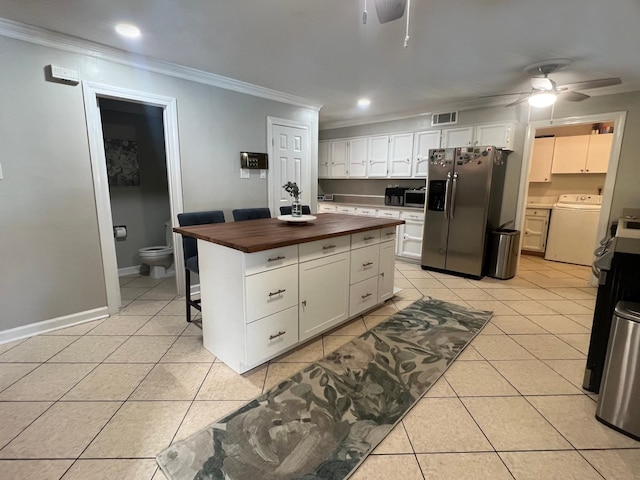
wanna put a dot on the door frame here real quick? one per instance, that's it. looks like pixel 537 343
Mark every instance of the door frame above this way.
pixel 306 168
pixel 91 92
pixel 619 119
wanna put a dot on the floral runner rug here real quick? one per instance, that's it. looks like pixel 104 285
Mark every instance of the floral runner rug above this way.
pixel 322 423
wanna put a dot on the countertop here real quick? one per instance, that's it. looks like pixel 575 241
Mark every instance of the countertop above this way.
pixel 364 205
pixel 541 202
pixel 257 235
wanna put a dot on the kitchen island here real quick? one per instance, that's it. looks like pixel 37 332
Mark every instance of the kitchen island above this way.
pixel 267 285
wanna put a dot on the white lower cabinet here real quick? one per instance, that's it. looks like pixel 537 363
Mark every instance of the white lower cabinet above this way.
pixel 410 236
pixel 363 295
pixel 386 266
pixel 272 291
pixel 536 226
pixel 324 294
pixel 271 335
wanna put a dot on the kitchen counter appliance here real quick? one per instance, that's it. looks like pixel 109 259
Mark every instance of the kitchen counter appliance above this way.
pixel 395 196
pixel 415 197
pixel 464 197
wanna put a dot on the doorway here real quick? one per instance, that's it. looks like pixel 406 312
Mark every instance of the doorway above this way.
pixel 94 93
pixel 617 120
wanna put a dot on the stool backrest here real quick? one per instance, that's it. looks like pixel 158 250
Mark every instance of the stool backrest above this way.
pixel 241 214
pixel 190 245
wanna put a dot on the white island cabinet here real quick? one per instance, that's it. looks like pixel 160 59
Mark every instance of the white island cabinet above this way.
pixel 259 302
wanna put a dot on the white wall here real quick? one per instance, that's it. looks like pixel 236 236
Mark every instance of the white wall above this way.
pixel 49 246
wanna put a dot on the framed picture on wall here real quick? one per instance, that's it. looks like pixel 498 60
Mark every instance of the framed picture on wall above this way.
pixel 123 168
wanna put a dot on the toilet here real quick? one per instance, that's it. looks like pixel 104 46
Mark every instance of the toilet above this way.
pixel 159 258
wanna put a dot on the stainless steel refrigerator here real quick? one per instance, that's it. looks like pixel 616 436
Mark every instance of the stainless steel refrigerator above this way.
pixel 464 198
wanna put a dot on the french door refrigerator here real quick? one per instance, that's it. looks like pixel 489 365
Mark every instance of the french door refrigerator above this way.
pixel 464 198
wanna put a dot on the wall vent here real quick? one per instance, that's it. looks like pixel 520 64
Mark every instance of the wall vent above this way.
pixel 447 118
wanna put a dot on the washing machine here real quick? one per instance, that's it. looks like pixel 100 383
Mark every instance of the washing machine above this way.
pixel 573 229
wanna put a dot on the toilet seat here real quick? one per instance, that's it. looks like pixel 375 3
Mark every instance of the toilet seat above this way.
pixel 155 251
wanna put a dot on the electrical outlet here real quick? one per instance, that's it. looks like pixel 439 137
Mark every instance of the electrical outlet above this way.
pixel 263 174
pixel 245 173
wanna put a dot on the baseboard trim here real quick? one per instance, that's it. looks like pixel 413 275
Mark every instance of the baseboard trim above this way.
pixel 123 272
pixel 45 326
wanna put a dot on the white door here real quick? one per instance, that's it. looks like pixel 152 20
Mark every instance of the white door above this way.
pixel 289 162
pixel 400 153
pixel 378 155
pixel 425 141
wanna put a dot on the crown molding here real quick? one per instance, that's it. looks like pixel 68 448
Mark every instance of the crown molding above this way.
pixel 48 38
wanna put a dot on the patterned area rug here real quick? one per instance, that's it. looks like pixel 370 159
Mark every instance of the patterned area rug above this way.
pixel 322 423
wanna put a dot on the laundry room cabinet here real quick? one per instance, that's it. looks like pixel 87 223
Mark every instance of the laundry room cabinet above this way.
pixel 536 227
pixel 582 154
pixel 542 159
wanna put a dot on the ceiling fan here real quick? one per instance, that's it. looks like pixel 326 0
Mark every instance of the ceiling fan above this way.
pixel 544 91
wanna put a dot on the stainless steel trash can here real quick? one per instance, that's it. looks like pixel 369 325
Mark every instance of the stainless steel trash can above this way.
pixel 502 256
pixel 620 389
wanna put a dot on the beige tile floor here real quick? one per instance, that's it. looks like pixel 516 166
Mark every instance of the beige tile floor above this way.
pixel 99 400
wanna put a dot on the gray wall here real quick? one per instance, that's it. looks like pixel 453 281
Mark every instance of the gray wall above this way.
pixel 143 209
pixel 49 246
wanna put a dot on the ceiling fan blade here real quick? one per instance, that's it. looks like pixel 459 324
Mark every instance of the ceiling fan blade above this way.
pixel 505 94
pixel 587 84
pixel 389 10
pixel 518 102
pixel 573 96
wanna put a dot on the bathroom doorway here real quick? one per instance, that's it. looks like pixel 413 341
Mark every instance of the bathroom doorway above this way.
pixel 104 100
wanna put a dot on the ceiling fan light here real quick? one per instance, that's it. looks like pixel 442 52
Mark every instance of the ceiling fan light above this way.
pixel 542 99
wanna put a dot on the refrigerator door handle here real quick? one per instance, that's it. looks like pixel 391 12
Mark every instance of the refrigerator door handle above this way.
pixel 446 196
pixel 453 194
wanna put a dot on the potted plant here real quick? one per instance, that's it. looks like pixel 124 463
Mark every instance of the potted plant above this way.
pixel 296 206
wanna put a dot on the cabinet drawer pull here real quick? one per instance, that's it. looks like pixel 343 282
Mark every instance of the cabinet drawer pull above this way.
pixel 275 259
pixel 368 238
pixel 327 247
pixel 367 264
pixel 271 294
pixel 279 334
pixel 366 295
pixel 390 233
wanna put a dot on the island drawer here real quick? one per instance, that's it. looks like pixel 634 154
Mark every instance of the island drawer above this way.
pixel 364 239
pixel 413 216
pixel 364 263
pixel 363 295
pixel 346 209
pixel 270 259
pixel 389 213
pixel 271 335
pixel 323 248
pixel 387 234
pixel 271 292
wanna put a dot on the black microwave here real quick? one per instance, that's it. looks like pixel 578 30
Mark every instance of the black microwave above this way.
pixel 415 198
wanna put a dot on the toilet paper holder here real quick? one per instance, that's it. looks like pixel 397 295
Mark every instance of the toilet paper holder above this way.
pixel 119 232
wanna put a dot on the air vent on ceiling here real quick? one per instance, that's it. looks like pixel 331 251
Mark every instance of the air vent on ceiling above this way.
pixel 447 118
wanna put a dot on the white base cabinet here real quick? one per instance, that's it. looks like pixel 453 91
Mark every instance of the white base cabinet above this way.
pixel 536 226
pixel 256 306
pixel 410 236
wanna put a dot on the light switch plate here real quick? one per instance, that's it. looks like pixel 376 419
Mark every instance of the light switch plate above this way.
pixel 263 174
pixel 245 173
pixel 1 176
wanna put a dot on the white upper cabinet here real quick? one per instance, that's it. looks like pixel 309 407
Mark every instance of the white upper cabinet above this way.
pixel 582 154
pixel 378 155
pixel 339 158
pixel 424 141
pixel 542 159
pixel 499 135
pixel 324 150
pixel 358 157
pixel 400 154
pixel 457 137
pixel 599 153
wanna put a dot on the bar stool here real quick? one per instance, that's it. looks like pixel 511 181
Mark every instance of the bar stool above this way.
pixel 190 249
pixel 241 214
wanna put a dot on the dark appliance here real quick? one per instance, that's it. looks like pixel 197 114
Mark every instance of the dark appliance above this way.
pixel 464 198
pixel 618 267
pixel 415 197
pixel 394 196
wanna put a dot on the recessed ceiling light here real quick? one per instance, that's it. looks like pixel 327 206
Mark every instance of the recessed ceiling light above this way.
pixel 128 30
pixel 364 102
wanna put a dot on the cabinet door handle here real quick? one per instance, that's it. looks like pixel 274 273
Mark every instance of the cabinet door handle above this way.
pixel 367 238
pixel 366 295
pixel 390 233
pixel 279 334
pixel 273 294
pixel 367 264
pixel 327 247
pixel 275 259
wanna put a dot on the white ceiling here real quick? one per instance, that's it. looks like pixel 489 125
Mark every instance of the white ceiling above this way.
pixel 320 50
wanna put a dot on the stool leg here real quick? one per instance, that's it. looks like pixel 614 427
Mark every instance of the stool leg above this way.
pixel 187 277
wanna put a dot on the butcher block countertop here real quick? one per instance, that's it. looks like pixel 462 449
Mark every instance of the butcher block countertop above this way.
pixel 257 235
